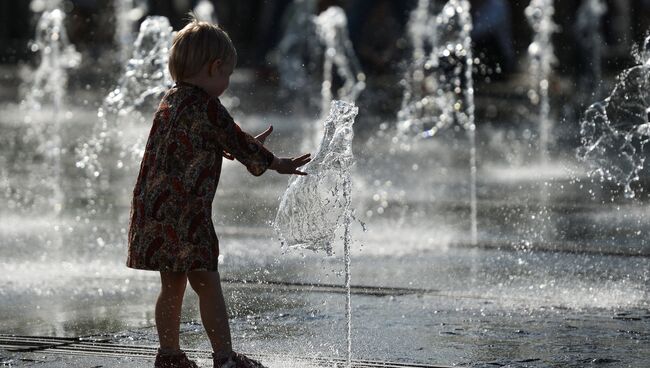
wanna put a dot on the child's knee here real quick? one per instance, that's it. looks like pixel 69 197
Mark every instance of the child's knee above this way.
pixel 173 282
pixel 203 281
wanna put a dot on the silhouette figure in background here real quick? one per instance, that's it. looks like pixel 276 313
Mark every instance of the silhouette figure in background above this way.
pixel 272 22
pixel 376 30
pixel 269 32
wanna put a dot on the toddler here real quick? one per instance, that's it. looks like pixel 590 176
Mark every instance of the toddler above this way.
pixel 171 228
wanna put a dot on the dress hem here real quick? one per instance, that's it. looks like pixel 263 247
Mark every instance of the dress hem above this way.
pixel 169 270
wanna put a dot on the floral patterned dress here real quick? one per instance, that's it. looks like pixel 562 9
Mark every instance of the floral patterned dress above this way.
pixel 171 214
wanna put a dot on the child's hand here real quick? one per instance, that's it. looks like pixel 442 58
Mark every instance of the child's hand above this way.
pixel 290 165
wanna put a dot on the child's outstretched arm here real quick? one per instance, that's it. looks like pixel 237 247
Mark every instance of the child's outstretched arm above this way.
pixel 284 165
pixel 260 138
pixel 247 149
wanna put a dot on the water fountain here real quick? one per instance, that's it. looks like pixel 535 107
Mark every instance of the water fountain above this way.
pixel 127 12
pixel 204 11
pixel 588 28
pixel 540 17
pixel 331 26
pixel 614 131
pixel 427 103
pixel 315 206
pixel 146 75
pixel 44 103
pixel 439 87
pixel 145 79
pixel 334 50
pixel 301 57
pixel 322 199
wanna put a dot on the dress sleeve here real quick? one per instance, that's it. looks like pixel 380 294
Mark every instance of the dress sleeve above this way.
pixel 244 147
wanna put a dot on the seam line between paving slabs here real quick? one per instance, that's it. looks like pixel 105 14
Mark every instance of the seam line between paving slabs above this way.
pixel 329 288
pixel 376 291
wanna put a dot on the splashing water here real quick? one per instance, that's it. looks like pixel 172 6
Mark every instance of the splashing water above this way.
pixel 46 93
pixel 204 11
pixel 50 78
pixel 588 28
pixel 331 26
pixel 146 77
pixel 127 12
pixel 539 14
pixel 439 87
pixel 614 131
pixel 298 59
pixel 426 102
pixel 313 206
pixel 434 91
pixel 146 73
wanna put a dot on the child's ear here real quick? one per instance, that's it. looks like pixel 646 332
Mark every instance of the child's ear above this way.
pixel 214 67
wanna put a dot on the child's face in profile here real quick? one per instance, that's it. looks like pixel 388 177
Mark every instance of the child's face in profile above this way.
pixel 220 77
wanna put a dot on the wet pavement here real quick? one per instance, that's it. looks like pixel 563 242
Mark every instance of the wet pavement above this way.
pixel 467 320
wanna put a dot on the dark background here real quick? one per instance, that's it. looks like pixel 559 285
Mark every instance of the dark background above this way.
pixel 256 25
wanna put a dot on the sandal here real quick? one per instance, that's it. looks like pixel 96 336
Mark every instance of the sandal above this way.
pixel 179 360
pixel 236 360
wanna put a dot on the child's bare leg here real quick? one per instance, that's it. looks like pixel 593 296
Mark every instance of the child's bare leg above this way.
pixel 213 309
pixel 168 309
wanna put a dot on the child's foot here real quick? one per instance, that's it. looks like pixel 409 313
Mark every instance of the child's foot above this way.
pixel 236 360
pixel 174 360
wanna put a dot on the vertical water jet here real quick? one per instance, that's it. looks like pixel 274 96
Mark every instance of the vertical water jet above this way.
pixel 539 14
pixel 438 85
pixel 339 60
pixel 44 102
pixel 314 207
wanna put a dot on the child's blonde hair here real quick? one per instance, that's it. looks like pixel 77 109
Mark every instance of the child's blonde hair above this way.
pixel 195 45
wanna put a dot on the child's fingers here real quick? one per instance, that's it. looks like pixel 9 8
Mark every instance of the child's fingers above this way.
pixel 302 159
pixel 267 131
pixel 262 136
